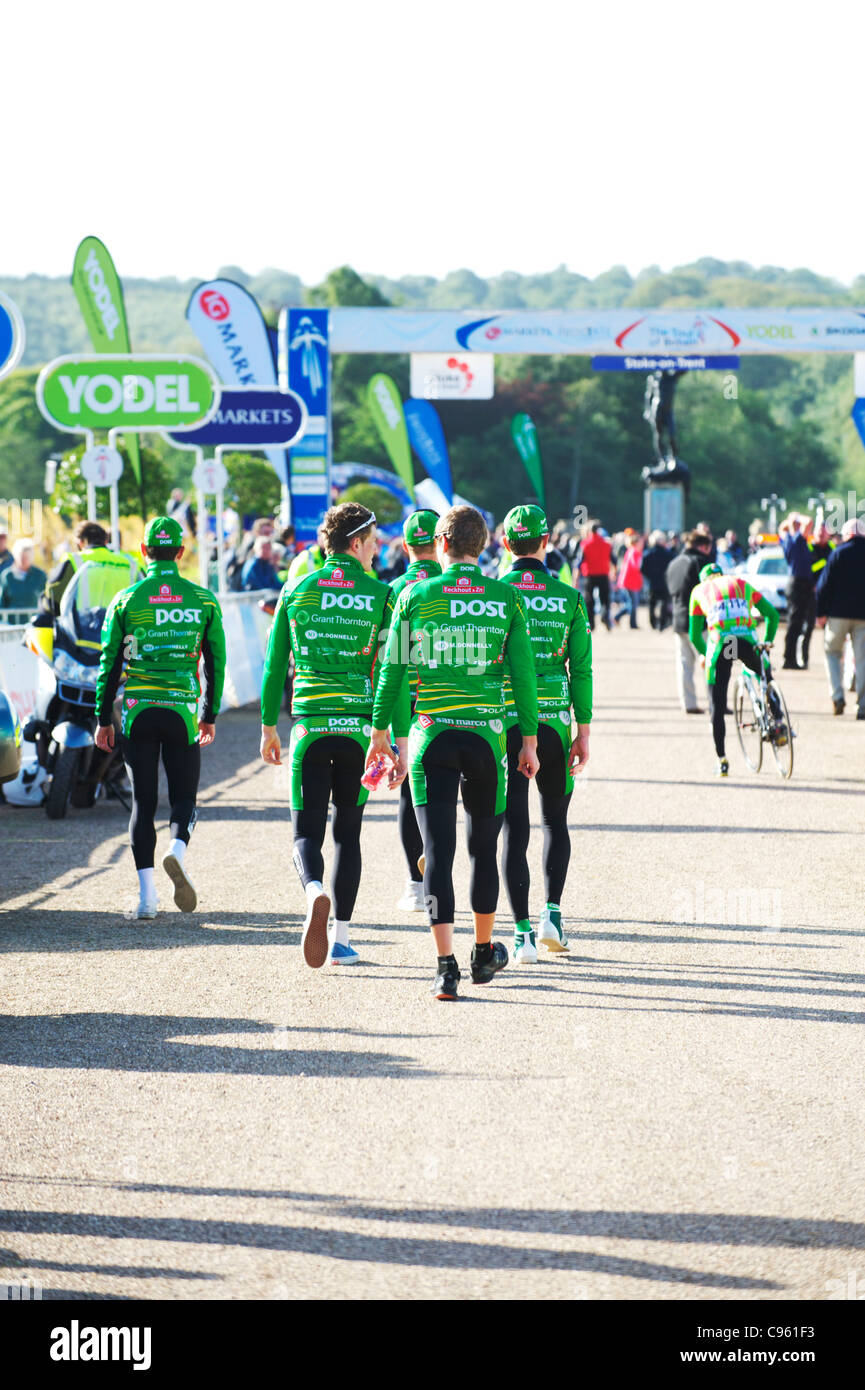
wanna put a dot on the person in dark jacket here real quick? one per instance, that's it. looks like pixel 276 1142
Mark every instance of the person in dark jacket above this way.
pixel 795 535
pixel 683 575
pixel 655 561
pixel 841 612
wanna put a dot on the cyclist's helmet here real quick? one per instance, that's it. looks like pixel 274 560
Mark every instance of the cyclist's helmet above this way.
pixel 708 570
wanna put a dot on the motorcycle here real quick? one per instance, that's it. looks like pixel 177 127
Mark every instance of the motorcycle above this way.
pixel 64 724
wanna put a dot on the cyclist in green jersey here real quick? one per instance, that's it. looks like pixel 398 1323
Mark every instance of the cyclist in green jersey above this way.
pixel 462 631
pixel 330 621
pixel 154 636
pixel 419 545
pixel 562 649
pixel 722 604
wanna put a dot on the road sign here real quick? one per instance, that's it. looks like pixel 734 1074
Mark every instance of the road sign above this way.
pixel 11 335
pixel 130 391
pixel 858 414
pixel 672 363
pixel 253 418
pixel 102 465
pixel 210 475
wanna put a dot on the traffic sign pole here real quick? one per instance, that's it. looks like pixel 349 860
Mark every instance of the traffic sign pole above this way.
pixel 91 487
pixel 115 498
pixel 221 580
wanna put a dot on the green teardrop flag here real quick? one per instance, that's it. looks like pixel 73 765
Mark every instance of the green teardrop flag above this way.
pixel 385 404
pixel 100 297
pixel 525 436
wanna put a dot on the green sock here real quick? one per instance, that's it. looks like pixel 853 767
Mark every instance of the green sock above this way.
pixel 556 913
pixel 523 927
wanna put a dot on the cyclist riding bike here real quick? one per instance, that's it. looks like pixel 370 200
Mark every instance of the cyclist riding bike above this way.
pixel 154 636
pixel 330 620
pixel 722 604
pixel 418 542
pixel 461 630
pixel 562 650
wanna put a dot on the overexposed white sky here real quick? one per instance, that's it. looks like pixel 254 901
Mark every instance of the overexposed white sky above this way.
pixel 418 138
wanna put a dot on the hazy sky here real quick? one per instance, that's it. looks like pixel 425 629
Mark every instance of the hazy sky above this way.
pixel 408 138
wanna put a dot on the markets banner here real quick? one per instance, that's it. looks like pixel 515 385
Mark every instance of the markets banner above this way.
pixel 427 438
pixel 385 405
pixel 598 331
pixel 228 323
pixel 525 436
pixel 134 392
pixel 11 335
pixel 255 418
pixel 100 298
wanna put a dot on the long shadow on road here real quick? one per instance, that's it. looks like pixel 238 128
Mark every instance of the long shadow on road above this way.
pixel 352 1246
pixel 155 1043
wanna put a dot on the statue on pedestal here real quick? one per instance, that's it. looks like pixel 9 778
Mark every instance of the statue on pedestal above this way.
pixel 658 410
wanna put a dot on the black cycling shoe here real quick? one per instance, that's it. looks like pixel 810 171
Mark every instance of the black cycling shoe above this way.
pixel 446 981
pixel 485 964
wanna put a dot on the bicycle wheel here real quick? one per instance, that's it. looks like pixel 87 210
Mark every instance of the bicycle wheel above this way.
pixel 749 726
pixel 782 737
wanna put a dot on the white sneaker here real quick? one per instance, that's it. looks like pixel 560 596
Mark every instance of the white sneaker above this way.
pixel 550 933
pixel 185 896
pixel 143 910
pixel 315 943
pixel 525 949
pixel 413 899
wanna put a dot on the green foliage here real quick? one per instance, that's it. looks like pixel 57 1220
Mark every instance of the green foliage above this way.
pixel 69 497
pixel 386 507
pixel 26 439
pixel 253 487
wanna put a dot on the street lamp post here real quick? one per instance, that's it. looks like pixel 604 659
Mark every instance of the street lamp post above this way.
pixel 771 504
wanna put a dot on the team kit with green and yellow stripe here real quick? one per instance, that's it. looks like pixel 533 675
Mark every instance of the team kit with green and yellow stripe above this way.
pixel 561 643
pixel 331 621
pixel 157 635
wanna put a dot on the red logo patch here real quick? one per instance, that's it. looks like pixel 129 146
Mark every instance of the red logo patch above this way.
pixel 215 305
pixel 425 721
pixel 131 703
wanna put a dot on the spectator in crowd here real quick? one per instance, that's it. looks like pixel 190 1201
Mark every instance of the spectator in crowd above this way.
pixel 656 558
pixel 594 562
pixel 288 541
pixel 259 571
pixel 794 534
pixel 683 575
pixel 821 545
pixel 262 526
pixel 841 612
pixel 22 582
pixel 631 576
pixel 5 553
pixel 181 509
pixel 393 561
pixel 723 557
pixel 705 530
pixel 734 550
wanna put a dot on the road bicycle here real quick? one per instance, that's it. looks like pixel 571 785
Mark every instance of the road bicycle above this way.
pixel 762 717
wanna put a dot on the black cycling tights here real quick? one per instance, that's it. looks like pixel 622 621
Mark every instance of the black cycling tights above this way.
pixel 159 729
pixel 458 759
pixel 554 818
pixel 332 766
pixel 409 832
pixel 750 657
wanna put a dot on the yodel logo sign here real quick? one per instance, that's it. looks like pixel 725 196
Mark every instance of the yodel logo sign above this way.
pixel 253 418
pixel 127 392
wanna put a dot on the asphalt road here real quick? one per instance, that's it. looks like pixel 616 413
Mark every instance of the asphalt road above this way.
pixel 672 1111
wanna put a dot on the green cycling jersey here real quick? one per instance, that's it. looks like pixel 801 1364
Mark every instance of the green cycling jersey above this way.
pixel 330 620
pixel 154 636
pixel 561 641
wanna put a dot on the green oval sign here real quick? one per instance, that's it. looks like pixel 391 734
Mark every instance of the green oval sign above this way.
pixel 131 392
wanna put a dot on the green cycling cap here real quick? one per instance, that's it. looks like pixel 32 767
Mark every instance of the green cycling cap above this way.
pixel 525 524
pixel 419 528
pixel 164 530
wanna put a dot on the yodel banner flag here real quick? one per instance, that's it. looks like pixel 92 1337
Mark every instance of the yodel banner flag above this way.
pixel 385 404
pixel 525 436
pixel 428 441
pixel 100 298
pixel 228 323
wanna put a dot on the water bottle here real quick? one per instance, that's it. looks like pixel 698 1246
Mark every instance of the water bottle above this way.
pixel 376 771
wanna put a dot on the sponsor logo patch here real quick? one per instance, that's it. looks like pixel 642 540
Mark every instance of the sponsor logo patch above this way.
pixel 165 595
pixel 425 721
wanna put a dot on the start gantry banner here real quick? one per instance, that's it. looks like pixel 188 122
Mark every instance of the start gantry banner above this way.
pixel 599 331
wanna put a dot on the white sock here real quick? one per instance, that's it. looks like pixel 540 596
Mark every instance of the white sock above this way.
pixel 147 885
pixel 178 849
pixel 313 889
pixel 341 932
